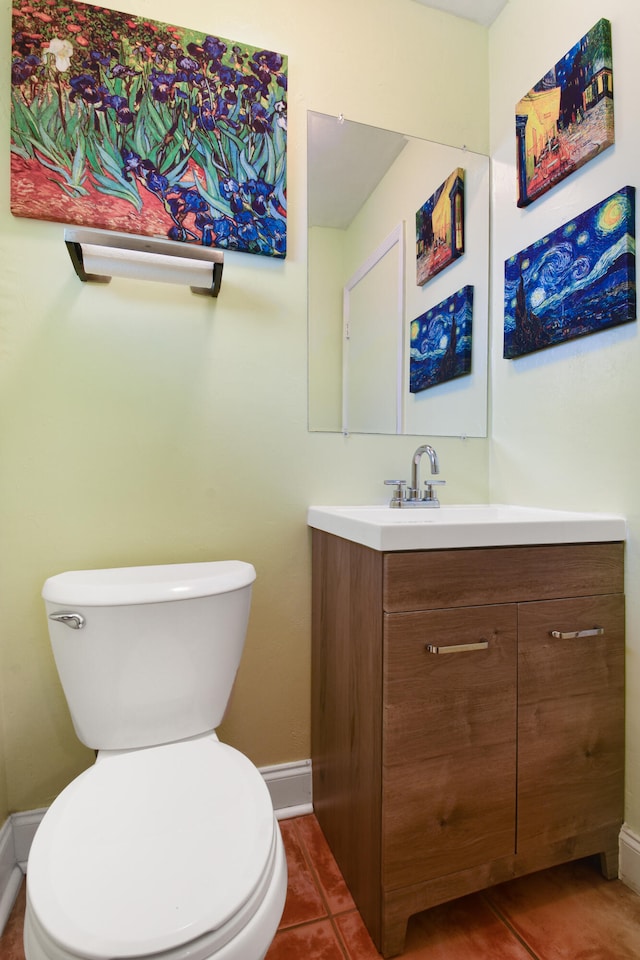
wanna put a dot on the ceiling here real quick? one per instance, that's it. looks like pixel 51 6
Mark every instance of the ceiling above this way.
pixel 345 162
pixel 482 11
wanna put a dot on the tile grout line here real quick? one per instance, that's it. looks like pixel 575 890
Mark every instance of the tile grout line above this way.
pixel 309 862
pixel 316 879
pixel 505 921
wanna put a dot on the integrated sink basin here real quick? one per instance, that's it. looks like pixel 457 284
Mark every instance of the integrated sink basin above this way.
pixel 465 525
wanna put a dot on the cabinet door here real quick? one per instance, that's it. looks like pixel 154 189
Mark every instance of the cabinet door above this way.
pixel 571 718
pixel 449 749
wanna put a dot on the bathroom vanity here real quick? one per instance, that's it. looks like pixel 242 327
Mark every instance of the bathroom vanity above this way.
pixel 468 700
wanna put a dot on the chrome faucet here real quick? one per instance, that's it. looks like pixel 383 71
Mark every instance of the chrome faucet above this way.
pixel 414 489
pixel 412 496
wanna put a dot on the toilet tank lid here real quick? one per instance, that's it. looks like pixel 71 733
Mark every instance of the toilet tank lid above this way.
pixel 150 584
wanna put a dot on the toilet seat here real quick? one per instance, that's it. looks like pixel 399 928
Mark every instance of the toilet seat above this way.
pixel 153 851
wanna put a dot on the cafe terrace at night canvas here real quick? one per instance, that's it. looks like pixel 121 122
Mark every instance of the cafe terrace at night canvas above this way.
pixel 566 119
pixel 440 228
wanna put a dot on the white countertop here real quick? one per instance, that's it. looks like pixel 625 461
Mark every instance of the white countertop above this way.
pixel 465 525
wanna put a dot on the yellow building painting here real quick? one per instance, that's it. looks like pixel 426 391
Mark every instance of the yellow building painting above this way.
pixel 566 119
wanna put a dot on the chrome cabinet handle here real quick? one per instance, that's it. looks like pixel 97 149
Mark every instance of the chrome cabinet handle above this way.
pixel 74 620
pixel 457 647
pixel 576 634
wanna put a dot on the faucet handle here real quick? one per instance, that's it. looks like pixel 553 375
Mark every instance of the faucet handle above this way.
pixel 429 496
pixel 398 493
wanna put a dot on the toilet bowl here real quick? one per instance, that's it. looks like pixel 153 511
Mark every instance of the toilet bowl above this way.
pixel 160 850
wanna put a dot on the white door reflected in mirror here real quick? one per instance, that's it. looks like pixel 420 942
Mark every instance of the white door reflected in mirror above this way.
pixel 373 310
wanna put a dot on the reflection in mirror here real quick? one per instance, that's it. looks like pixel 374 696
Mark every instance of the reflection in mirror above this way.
pixel 365 186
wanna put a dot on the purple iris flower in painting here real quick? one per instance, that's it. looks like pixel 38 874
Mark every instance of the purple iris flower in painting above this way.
pixel 247 228
pixel 186 201
pixel 101 58
pixel 214 48
pixel 84 85
pixel 264 64
pixel 157 183
pixel 277 230
pixel 260 119
pixel 189 70
pixel 21 70
pixel 205 115
pixel 119 70
pixel 228 76
pixel 268 59
pixel 251 89
pixel 225 233
pixel 211 50
pixel 177 233
pixel 230 190
pixel 145 171
pixel 161 85
pixel 205 223
pixel 121 107
pixel 222 110
pixel 258 194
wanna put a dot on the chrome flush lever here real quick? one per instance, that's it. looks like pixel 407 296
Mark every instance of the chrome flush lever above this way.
pixel 74 620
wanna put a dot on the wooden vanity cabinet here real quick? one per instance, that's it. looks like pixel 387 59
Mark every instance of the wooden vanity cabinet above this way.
pixel 436 774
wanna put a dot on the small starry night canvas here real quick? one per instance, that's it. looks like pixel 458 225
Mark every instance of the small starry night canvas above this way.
pixel 130 124
pixel 578 280
pixel 441 341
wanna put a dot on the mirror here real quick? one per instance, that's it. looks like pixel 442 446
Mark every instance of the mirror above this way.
pixel 365 188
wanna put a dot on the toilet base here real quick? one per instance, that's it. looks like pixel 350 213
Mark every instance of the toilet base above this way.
pixel 252 943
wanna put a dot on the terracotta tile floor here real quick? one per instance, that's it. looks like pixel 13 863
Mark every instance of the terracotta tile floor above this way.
pixel 567 913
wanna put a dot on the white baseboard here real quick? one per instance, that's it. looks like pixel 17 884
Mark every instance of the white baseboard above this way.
pixel 10 873
pixel 290 788
pixel 24 829
pixel 289 785
pixel 630 858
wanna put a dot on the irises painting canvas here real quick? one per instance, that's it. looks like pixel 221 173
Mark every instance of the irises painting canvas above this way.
pixel 441 341
pixel 133 125
pixel 566 119
pixel 577 280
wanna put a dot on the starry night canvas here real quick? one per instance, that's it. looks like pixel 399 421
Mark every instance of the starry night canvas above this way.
pixel 441 342
pixel 578 280
pixel 566 119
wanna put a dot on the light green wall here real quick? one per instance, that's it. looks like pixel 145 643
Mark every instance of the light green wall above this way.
pixel 140 424
pixel 566 421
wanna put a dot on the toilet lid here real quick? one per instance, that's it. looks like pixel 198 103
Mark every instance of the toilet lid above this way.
pixel 150 849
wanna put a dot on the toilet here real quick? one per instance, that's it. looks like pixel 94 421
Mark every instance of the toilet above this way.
pixel 168 846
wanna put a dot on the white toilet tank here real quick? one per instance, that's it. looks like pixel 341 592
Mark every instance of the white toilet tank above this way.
pixel 148 655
